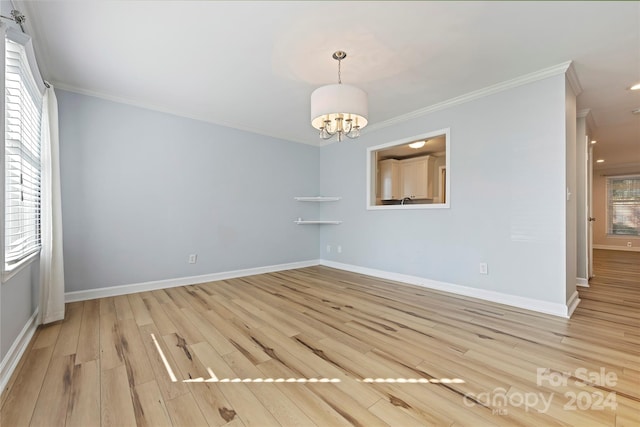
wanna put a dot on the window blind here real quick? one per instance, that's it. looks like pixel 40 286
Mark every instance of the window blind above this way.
pixel 624 205
pixel 23 111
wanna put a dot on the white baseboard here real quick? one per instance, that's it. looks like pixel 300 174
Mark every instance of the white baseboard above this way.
pixel 181 281
pixel 617 248
pixel 10 361
pixel 573 302
pixel 540 306
pixel 546 307
pixel 580 281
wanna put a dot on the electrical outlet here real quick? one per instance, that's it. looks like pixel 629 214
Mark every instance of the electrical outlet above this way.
pixel 328 248
pixel 339 249
pixel 628 244
pixel 484 269
pixel 193 258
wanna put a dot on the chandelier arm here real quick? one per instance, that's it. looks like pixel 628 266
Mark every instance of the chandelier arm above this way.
pixel 354 133
pixel 328 127
pixel 349 126
pixel 325 133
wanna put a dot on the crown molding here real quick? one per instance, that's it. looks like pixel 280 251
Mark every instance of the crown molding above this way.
pixel 583 113
pixel 613 166
pixel 161 109
pixel 573 80
pixel 563 68
pixel 588 116
pixel 476 94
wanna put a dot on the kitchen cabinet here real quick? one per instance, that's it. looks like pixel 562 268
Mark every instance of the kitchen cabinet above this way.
pixel 416 177
pixel 390 179
pixel 409 178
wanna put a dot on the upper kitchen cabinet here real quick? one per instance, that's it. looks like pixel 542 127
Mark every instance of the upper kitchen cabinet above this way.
pixel 390 179
pixel 417 177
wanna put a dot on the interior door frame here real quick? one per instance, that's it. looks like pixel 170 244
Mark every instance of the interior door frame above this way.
pixel 589 210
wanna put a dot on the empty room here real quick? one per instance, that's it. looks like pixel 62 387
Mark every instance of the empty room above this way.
pixel 320 213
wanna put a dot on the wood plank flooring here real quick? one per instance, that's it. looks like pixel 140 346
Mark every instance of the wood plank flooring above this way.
pixel 324 347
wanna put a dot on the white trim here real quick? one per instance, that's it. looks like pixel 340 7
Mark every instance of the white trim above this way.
pixel 613 167
pixel 608 211
pixel 622 237
pixel 540 306
pixel 617 248
pixel 572 303
pixel 300 221
pixel 476 94
pixel 572 79
pixel 181 281
pixel 371 168
pixel 168 110
pixel 563 68
pixel 11 359
pixel 317 198
pixel 589 120
pixel 408 207
pixel 580 114
pixel 19 266
pixel 582 282
pixel 623 175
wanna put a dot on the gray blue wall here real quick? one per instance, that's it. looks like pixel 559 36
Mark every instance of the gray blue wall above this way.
pixel 507 198
pixel 141 190
pixel 19 301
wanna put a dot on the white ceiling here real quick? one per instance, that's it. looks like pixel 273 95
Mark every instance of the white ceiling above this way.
pixel 253 65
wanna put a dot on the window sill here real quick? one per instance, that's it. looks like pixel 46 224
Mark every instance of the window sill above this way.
pixel 408 206
pixel 15 269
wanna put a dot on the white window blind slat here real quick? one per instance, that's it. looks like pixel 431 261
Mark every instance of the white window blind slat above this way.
pixel 23 113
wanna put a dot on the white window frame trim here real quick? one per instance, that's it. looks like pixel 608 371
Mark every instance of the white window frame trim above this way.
pixel 606 210
pixel 371 206
pixel 23 39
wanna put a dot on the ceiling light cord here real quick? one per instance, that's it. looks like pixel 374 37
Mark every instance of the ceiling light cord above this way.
pixel 342 126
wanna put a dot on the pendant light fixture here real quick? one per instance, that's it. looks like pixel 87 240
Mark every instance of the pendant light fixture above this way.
pixel 339 109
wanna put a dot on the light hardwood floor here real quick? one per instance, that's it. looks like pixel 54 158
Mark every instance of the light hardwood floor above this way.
pixel 323 347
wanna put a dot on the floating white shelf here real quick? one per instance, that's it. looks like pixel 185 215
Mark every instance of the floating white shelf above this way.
pixel 301 221
pixel 306 222
pixel 317 199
